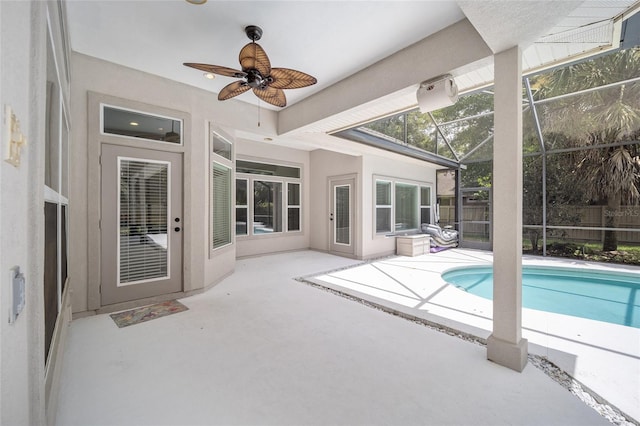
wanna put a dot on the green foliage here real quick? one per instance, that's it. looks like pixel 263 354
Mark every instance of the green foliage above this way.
pixel 626 254
pixel 606 175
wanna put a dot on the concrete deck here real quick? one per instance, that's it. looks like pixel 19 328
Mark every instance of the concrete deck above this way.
pixel 263 348
pixel 603 357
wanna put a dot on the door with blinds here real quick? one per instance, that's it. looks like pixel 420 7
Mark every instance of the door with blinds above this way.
pixel 341 216
pixel 140 223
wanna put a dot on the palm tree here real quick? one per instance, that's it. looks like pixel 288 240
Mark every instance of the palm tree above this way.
pixel 605 118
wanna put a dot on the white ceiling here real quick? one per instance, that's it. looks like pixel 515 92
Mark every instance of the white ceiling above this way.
pixel 327 39
pixel 330 40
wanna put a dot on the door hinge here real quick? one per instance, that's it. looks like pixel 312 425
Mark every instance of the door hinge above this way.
pixel 100 159
pixel 99 223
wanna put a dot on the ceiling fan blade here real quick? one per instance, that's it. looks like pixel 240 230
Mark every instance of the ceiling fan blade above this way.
pixel 216 69
pixel 285 78
pixel 253 56
pixel 271 95
pixel 234 89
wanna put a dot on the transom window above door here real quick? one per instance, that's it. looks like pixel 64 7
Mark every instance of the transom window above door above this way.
pixel 136 124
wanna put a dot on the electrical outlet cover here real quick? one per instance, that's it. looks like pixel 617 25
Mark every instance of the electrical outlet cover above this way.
pixel 18 296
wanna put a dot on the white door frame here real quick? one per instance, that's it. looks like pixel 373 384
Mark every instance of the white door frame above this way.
pixel 350 181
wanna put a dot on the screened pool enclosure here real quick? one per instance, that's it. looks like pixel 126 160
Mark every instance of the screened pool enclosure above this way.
pixel 581 159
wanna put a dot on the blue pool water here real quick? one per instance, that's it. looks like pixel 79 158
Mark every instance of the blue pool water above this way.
pixel 603 296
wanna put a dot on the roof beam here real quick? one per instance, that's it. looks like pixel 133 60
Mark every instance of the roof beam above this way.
pixel 451 48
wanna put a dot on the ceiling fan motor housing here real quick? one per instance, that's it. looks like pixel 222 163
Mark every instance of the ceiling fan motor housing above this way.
pixel 255 79
pixel 253 32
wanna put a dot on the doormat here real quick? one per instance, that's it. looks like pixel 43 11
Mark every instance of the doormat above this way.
pixel 147 313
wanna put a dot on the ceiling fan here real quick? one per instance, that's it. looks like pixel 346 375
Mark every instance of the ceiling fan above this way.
pixel 267 83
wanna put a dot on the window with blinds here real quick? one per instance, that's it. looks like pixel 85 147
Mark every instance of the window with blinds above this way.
pixel 143 189
pixel 220 205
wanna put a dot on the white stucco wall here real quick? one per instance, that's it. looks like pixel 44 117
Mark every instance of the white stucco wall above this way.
pixel 22 86
pixel 391 166
pixel 91 74
pixel 325 164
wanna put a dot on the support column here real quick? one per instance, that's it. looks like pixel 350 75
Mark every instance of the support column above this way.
pixel 506 346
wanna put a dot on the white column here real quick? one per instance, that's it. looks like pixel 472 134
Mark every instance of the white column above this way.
pixel 506 346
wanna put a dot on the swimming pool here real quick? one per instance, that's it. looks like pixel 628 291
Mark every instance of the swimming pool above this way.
pixel 599 295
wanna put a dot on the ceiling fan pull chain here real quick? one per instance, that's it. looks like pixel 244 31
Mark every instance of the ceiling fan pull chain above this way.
pixel 258 112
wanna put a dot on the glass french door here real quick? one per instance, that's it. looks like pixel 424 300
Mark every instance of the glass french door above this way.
pixel 141 223
pixel 341 216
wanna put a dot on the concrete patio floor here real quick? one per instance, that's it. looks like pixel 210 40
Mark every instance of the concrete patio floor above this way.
pixel 262 348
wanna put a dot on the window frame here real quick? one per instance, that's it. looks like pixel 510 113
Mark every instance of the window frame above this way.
pixel 386 207
pixel 104 105
pixel 281 206
pixel 284 206
pixel 244 206
pixel 290 206
pixel 423 206
pixel 393 182
pixel 416 208
pixel 228 164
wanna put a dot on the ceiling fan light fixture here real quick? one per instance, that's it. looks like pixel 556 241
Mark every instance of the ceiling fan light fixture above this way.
pixel 209 75
pixel 256 73
pixel 197 1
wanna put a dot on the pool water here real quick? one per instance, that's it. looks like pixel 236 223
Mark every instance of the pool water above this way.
pixel 603 296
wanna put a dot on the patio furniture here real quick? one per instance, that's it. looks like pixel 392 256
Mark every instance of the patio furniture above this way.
pixel 440 237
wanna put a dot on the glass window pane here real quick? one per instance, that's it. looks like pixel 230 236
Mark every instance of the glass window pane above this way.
pixel 383 219
pixel 383 193
pixel 406 207
pixel 425 215
pixel 117 121
pixel 220 205
pixel 52 129
pixel 142 203
pixel 293 194
pixel 251 167
pixel 267 207
pixel 293 219
pixel 241 221
pixel 425 196
pixel 241 192
pixel 342 230
pixel 221 146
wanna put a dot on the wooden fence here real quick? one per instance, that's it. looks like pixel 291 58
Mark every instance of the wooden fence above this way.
pixel 589 216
